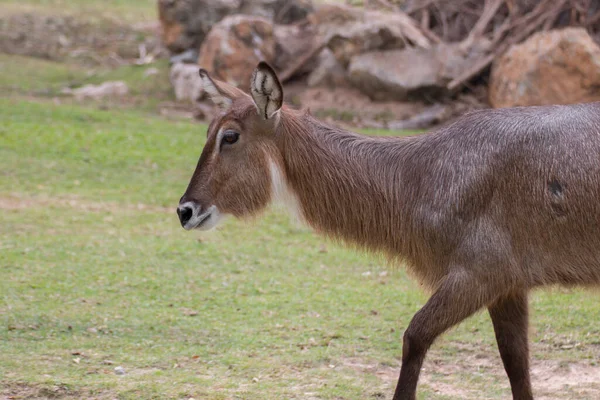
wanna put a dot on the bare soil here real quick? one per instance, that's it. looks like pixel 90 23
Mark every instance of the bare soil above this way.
pixel 351 106
pixel 63 37
pixel 551 379
pixel 25 391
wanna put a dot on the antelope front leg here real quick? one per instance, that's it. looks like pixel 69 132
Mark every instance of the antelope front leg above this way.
pixel 457 298
pixel 510 318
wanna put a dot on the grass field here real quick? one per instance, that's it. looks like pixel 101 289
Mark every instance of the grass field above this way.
pixel 96 273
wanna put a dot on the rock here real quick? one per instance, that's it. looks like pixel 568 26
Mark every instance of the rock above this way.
pixel 278 11
pixel 186 82
pixel 189 56
pixel 410 72
pixel 430 116
pixel 150 72
pixel 349 31
pixel 328 71
pixel 235 45
pixel 290 12
pixel 383 75
pixel 291 42
pixel 185 23
pixel 97 92
pixel 552 67
pixel 120 371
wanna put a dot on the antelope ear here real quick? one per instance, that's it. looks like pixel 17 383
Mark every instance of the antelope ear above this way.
pixel 266 90
pixel 221 93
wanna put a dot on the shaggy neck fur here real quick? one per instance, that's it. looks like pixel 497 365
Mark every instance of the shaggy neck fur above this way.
pixel 355 188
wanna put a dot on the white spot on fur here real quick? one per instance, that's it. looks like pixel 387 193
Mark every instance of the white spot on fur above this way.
pixel 281 192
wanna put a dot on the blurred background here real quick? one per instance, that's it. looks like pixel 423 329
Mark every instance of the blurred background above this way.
pixel 102 121
pixel 381 64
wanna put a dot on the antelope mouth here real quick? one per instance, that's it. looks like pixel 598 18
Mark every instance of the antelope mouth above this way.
pixel 208 219
pixel 203 218
pixel 203 221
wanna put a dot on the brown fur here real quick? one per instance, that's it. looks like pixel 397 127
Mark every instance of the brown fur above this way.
pixel 482 210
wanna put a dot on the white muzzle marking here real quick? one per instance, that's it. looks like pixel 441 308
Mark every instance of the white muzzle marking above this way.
pixel 201 220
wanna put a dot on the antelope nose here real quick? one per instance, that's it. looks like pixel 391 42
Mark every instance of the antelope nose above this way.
pixel 185 213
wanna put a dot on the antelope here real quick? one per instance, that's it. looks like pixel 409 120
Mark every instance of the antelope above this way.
pixel 481 211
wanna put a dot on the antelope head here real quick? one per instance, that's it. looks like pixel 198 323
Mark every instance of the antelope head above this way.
pixel 240 162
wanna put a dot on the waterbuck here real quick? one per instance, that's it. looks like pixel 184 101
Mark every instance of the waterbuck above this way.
pixel 481 211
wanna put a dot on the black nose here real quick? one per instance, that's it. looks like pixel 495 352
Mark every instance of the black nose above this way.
pixel 185 213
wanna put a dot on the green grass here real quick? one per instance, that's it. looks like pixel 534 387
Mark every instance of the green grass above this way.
pixel 32 76
pixel 90 279
pixel 28 76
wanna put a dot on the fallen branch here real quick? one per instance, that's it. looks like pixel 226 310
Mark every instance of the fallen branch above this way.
pixel 524 27
pixel 489 11
pixel 471 72
pixel 425 19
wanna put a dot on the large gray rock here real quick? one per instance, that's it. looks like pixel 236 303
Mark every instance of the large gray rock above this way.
pixel 402 74
pixel 185 23
pixel 186 82
pixel 111 89
pixel 327 72
pixel 552 67
pixel 291 42
pixel 189 57
pixel 349 31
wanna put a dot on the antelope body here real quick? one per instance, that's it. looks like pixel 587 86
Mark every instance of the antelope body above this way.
pixel 482 210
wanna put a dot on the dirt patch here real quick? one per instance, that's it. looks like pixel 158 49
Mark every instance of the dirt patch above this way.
pixel 17 202
pixel 389 376
pixel 99 41
pixel 18 391
pixel 350 106
pixel 15 391
pixel 551 380
pixel 573 380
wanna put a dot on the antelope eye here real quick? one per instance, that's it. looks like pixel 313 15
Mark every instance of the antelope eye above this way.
pixel 230 137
